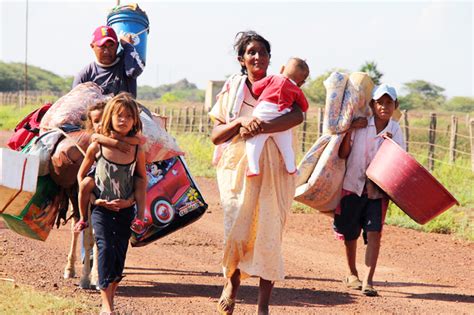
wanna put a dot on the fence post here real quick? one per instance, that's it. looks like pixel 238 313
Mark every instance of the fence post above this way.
pixel 305 116
pixel 157 110
pixel 432 139
pixel 453 139
pixel 186 119
pixel 406 128
pixel 179 119
pixel 201 120
pixel 471 134
pixel 193 119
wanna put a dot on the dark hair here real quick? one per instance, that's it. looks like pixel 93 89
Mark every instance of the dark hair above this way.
pixel 300 64
pixel 242 39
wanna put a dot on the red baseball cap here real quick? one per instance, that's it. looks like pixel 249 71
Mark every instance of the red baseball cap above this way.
pixel 103 34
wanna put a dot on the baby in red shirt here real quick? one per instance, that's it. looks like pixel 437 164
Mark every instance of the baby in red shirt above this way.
pixel 276 96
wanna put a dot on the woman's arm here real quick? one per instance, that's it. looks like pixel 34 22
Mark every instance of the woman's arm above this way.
pixel 225 131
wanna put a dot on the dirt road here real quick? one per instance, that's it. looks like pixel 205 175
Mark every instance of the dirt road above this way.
pixel 417 272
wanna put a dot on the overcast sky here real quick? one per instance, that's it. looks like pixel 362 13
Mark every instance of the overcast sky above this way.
pixel 425 40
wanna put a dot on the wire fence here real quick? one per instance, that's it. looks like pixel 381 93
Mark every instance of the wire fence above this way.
pixel 433 139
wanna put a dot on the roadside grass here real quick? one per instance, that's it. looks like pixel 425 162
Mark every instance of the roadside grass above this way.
pixel 458 179
pixel 198 153
pixel 21 299
pixel 458 220
pixel 11 115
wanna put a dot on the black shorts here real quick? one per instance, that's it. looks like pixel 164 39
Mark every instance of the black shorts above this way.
pixel 359 213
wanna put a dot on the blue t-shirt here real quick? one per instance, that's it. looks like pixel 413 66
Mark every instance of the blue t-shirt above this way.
pixel 121 77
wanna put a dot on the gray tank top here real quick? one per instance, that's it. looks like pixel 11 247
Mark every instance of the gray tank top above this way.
pixel 113 180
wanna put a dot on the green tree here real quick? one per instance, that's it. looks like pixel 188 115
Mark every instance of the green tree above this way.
pixel 12 79
pixel 424 95
pixel 460 104
pixel 315 91
pixel 370 67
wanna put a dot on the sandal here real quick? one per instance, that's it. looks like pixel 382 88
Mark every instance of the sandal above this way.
pixel 226 305
pixel 352 282
pixel 368 290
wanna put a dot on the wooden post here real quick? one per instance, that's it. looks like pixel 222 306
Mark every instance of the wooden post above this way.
pixel 303 147
pixel 201 119
pixel 186 119
pixel 471 134
pixel 320 121
pixel 157 110
pixel 193 119
pixel 406 128
pixel 178 120
pixel 453 139
pixel 432 139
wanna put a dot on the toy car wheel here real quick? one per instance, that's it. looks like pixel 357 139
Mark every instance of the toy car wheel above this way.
pixel 162 211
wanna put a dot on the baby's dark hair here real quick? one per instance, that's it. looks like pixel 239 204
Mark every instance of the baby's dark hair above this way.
pixel 300 64
pixel 97 106
pixel 242 39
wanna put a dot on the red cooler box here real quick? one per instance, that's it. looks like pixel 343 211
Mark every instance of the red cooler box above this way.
pixel 408 183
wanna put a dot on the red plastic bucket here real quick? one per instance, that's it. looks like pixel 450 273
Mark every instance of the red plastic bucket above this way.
pixel 408 183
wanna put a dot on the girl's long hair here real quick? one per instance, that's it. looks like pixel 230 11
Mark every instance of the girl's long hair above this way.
pixel 121 101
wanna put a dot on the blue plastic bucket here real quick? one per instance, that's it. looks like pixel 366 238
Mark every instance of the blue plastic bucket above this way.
pixel 131 20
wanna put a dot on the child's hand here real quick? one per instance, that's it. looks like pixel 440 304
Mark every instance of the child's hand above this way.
pixel 80 226
pixel 359 122
pixel 115 135
pixel 244 133
pixel 110 205
pixel 387 135
pixel 252 125
pixel 123 146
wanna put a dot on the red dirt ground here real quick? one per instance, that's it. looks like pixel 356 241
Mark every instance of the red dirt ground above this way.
pixel 417 272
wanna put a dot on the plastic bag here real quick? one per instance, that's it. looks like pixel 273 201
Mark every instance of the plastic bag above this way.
pixel 159 144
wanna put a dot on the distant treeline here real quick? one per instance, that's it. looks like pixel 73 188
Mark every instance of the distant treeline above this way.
pixel 416 94
pixel 175 92
pixel 12 79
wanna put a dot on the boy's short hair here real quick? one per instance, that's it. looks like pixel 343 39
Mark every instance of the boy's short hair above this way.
pixel 300 64
pixel 382 89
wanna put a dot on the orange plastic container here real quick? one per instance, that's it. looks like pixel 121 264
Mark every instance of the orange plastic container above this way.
pixel 408 183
